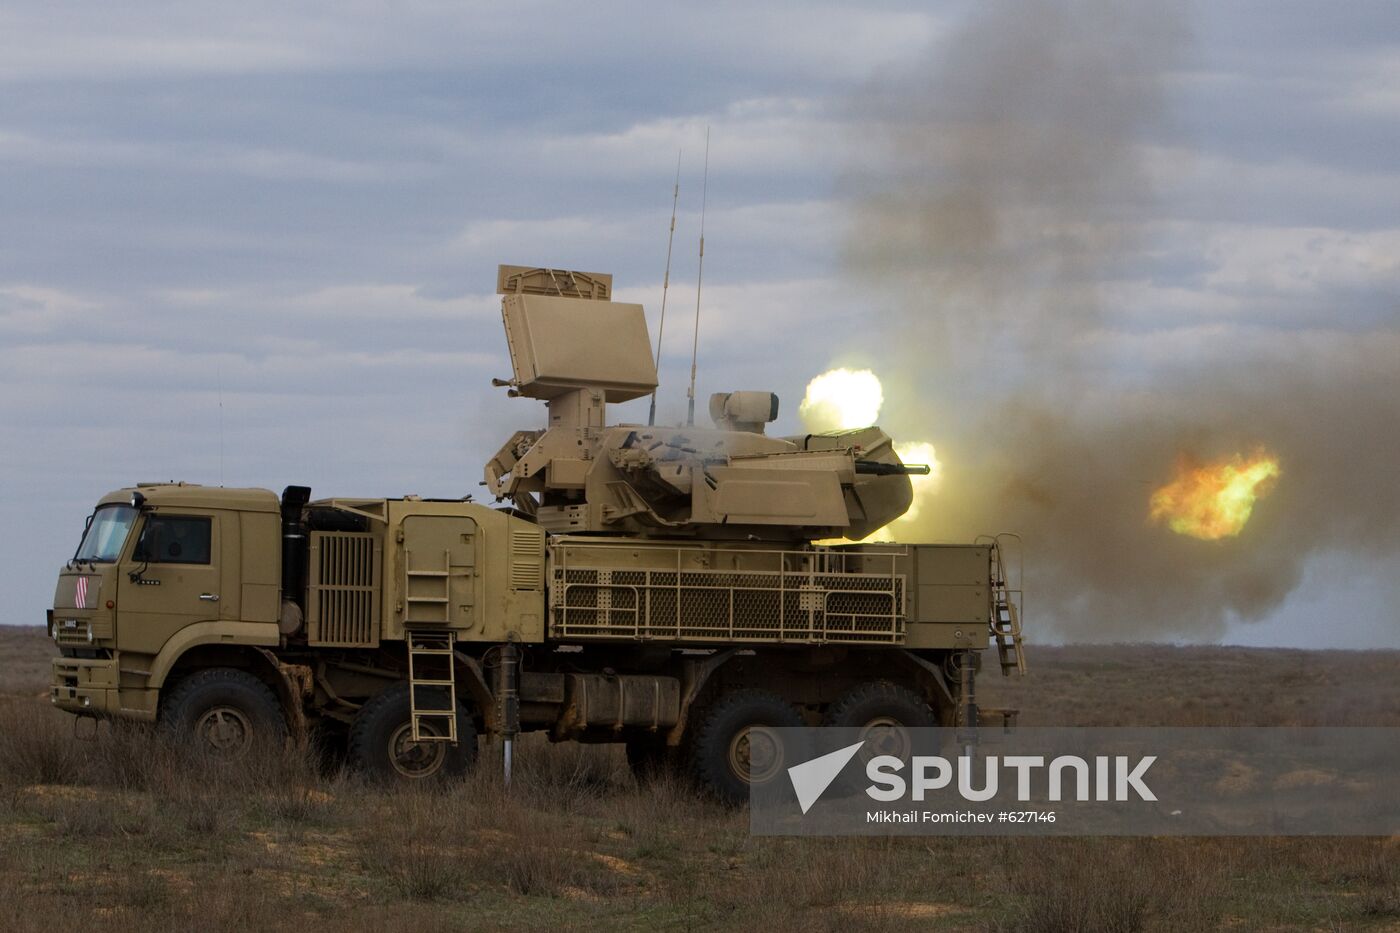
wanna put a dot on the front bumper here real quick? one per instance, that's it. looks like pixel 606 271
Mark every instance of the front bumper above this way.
pixel 85 686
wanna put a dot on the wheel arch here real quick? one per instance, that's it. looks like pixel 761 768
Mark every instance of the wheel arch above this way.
pixel 215 649
pixel 192 645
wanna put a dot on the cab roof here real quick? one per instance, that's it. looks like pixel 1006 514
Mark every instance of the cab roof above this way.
pixel 192 495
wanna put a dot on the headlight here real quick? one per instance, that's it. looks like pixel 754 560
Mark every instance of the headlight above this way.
pixel 89 632
pixel 53 630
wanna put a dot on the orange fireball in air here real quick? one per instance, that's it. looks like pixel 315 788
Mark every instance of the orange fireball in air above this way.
pixel 1215 500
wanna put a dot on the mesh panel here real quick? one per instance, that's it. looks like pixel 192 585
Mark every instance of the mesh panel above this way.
pixel 814 599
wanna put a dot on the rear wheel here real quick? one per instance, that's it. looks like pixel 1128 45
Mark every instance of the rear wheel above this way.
pixel 737 746
pixel 382 745
pixel 883 713
pixel 225 711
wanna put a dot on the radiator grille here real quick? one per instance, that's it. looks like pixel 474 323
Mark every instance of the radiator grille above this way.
pixel 343 596
pixel 527 560
pixel 815 598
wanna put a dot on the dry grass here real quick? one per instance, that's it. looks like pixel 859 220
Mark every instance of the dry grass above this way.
pixel 1158 685
pixel 1113 885
pixel 25 651
pixel 122 832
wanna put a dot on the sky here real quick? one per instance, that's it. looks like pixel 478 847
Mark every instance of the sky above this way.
pixel 256 244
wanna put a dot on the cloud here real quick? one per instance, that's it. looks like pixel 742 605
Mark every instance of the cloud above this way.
pixel 259 242
pixel 94 40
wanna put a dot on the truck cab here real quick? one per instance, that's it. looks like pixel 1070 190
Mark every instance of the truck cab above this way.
pixel 161 569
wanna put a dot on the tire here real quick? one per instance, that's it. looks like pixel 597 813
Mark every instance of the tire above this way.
pixel 882 712
pixel 382 746
pixel 225 711
pixel 651 758
pixel 726 741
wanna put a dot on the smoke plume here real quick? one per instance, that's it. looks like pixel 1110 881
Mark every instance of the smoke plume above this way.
pixel 1003 196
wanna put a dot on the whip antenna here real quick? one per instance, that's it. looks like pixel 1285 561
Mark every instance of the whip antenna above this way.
pixel 699 278
pixel 666 282
pixel 220 378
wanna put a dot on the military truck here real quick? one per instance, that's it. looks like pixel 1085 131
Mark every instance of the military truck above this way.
pixel 657 587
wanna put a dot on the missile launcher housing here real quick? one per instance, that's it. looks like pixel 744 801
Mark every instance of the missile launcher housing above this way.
pixel 574 348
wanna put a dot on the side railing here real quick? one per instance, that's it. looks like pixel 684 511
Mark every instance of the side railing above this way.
pixel 811 596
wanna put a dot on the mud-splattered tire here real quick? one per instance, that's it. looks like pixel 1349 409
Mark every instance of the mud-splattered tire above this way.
pixel 735 747
pixel 382 746
pixel 225 711
pixel 883 713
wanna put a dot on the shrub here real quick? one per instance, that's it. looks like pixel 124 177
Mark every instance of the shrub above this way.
pixel 34 749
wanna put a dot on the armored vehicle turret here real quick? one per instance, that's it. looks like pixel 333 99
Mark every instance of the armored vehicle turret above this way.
pixel 577 350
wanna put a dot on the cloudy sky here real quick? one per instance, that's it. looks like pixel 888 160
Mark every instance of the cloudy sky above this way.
pixel 255 244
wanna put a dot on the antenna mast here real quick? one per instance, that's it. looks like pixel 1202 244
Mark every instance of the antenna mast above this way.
pixel 699 279
pixel 666 282
pixel 219 378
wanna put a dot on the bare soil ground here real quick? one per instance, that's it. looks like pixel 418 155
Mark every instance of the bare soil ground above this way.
pixel 122 832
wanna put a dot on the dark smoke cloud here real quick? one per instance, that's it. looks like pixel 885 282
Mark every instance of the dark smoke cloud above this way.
pixel 1012 185
pixel 1006 190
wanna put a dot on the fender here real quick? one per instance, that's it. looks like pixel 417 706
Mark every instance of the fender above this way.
pixel 210 633
pixel 294 684
pixel 693 679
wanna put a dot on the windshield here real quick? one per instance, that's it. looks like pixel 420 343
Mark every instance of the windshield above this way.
pixel 107 533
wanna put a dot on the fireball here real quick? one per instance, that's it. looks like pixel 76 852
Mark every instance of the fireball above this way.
pixel 1214 501
pixel 842 400
pixel 845 399
pixel 920 452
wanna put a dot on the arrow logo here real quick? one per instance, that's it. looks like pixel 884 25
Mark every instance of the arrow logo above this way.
pixel 811 778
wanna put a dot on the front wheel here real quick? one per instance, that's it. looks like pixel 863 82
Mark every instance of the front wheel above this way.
pixel 225 711
pixel 382 745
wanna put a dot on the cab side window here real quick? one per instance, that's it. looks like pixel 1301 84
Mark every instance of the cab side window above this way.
pixel 174 539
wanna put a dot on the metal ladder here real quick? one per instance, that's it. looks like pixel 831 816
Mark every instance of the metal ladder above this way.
pixel 1006 616
pixel 432 685
pixel 429 609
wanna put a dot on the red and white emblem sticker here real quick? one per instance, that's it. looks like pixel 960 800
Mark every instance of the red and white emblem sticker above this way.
pixel 80 593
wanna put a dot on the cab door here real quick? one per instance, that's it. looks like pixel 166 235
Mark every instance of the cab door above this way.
pixel 169 578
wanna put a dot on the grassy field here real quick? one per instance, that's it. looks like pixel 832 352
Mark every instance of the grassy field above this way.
pixel 120 832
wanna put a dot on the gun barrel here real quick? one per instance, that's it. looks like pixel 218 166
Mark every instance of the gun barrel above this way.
pixel 876 468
